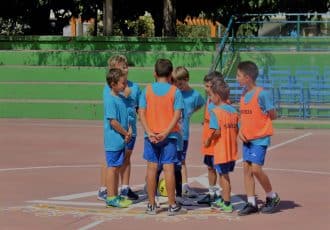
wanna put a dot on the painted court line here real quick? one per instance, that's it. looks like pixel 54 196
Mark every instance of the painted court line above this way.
pixel 91 225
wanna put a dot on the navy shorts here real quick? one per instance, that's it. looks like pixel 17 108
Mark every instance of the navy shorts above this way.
pixel 208 160
pixel 225 168
pixel 184 150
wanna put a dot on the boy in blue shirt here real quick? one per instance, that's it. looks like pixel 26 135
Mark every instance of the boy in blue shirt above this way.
pixel 192 101
pixel 116 134
pixel 132 93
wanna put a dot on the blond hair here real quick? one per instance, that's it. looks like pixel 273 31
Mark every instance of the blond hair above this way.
pixel 112 61
pixel 180 73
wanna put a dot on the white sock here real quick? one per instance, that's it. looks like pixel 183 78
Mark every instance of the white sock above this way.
pixel 252 200
pixel 212 189
pixel 102 188
pixel 124 186
pixel 271 194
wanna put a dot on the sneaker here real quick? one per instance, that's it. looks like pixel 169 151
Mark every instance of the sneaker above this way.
pixel 118 202
pixel 208 199
pixel 127 192
pixel 151 209
pixel 248 209
pixel 102 195
pixel 271 204
pixel 217 204
pixel 176 210
pixel 227 208
pixel 188 192
pixel 184 201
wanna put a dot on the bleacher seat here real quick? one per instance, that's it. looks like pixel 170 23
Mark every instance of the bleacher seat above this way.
pixel 318 99
pixel 305 74
pixel 290 100
pixel 280 74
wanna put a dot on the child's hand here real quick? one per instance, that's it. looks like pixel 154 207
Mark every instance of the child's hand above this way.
pixel 161 136
pixel 152 138
pixel 127 91
pixel 242 137
pixel 128 137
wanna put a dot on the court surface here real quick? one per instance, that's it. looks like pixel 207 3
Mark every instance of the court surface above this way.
pixel 50 172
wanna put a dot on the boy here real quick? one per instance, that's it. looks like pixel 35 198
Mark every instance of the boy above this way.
pixel 257 112
pixel 159 110
pixel 116 134
pixel 132 93
pixel 193 101
pixel 208 151
pixel 224 123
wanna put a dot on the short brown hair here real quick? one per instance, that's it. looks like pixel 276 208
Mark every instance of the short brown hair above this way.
pixel 220 88
pixel 249 68
pixel 163 67
pixel 113 76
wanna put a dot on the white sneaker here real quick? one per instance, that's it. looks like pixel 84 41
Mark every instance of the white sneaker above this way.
pixel 185 201
pixel 188 192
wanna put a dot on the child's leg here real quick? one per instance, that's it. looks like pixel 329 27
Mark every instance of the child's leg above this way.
pixel 224 182
pixel 178 180
pixel 103 175
pixel 184 172
pixel 249 183
pixel 170 182
pixel 125 170
pixel 262 177
pixel 112 181
pixel 151 181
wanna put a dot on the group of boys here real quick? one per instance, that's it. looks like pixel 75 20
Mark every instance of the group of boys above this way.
pixel 164 108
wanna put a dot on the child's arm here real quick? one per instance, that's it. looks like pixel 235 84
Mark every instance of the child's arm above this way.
pixel 272 114
pixel 215 134
pixel 117 127
pixel 151 135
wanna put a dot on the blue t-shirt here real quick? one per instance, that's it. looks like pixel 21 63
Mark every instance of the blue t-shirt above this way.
pixel 192 100
pixel 161 89
pixel 115 107
pixel 266 103
pixel 214 123
pixel 132 102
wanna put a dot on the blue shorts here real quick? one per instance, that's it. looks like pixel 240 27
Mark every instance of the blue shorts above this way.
pixel 164 152
pixel 184 150
pixel 225 168
pixel 115 158
pixel 254 153
pixel 208 160
pixel 130 145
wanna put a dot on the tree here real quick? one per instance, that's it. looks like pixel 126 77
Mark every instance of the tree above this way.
pixel 169 9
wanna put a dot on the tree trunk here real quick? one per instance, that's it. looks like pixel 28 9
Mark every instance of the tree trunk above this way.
pixel 107 17
pixel 169 18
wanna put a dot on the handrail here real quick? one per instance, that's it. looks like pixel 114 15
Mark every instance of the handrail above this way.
pixel 221 48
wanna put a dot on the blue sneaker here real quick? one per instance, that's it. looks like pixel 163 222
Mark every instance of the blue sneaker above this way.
pixel 118 202
pixel 102 195
pixel 127 192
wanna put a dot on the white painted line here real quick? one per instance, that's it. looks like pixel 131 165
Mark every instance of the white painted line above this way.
pixel 289 141
pixel 76 203
pixel 91 225
pixel 48 167
pixel 299 171
pixel 74 196
pixel 281 144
